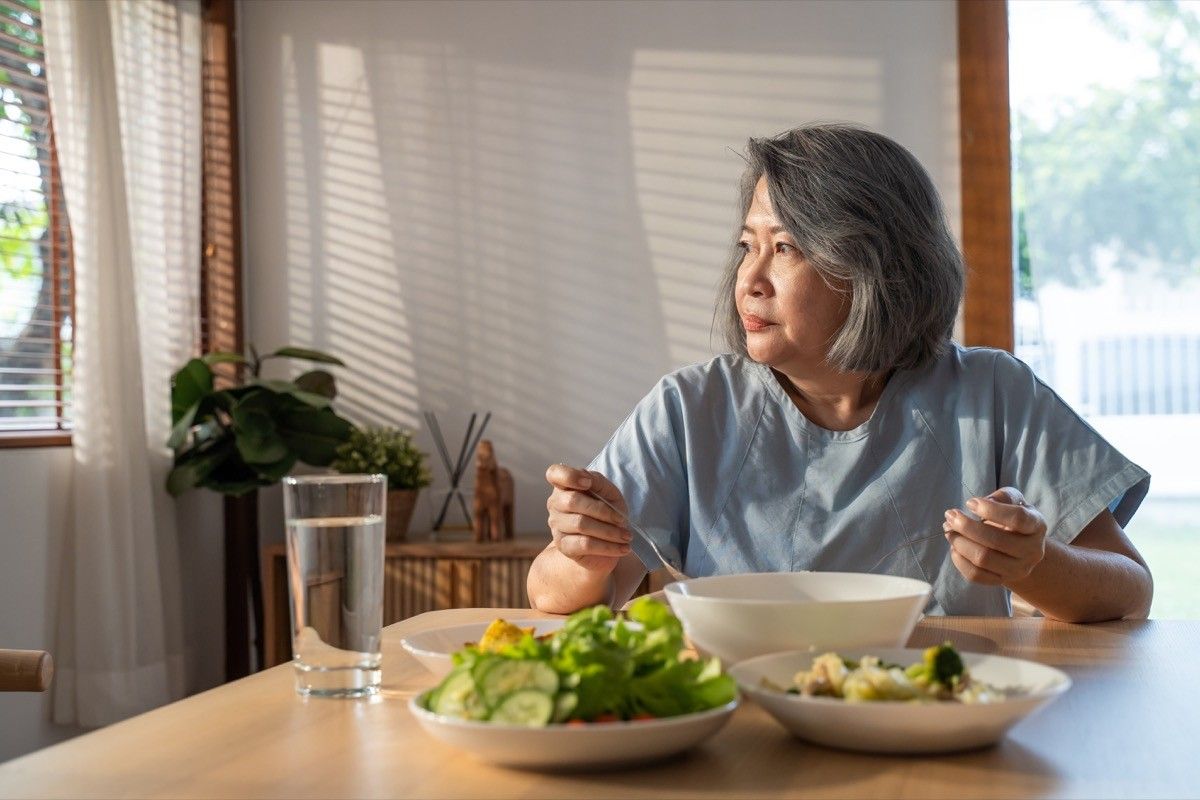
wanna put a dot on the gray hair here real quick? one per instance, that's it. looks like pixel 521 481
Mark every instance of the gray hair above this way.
pixel 866 215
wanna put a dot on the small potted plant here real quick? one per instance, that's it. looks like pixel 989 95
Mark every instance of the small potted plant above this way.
pixel 389 451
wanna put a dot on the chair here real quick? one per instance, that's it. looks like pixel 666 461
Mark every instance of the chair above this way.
pixel 25 670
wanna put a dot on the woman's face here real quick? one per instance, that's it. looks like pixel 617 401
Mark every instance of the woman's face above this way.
pixel 788 311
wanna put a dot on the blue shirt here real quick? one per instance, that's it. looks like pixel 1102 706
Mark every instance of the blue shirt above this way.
pixel 725 472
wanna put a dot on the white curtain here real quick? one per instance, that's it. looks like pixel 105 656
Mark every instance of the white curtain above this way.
pixel 124 78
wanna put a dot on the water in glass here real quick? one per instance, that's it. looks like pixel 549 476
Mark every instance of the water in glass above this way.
pixel 335 570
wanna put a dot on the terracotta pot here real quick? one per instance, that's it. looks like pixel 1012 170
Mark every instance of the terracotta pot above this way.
pixel 400 505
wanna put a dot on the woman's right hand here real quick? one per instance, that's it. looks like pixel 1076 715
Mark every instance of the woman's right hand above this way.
pixel 585 530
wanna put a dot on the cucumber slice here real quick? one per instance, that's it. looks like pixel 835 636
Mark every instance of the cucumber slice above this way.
pixel 564 704
pixel 485 662
pixel 458 697
pixel 510 675
pixel 524 707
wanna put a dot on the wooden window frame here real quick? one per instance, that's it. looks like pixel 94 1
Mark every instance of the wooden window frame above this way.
pixel 221 303
pixel 986 172
pixel 60 245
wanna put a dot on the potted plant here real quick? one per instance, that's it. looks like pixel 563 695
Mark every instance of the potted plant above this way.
pixel 389 451
pixel 236 434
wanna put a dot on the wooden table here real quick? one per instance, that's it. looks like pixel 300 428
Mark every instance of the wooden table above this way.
pixel 1130 727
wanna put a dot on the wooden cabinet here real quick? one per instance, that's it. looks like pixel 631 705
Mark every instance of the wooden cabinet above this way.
pixel 420 575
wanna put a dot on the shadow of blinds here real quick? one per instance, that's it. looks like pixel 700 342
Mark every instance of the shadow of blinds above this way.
pixel 687 109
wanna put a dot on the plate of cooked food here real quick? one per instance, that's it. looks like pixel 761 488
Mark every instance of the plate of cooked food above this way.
pixel 600 690
pixel 899 700
pixel 435 648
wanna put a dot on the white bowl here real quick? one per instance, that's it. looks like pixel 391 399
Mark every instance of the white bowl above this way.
pixel 737 617
pixel 893 727
pixel 433 647
pixel 574 746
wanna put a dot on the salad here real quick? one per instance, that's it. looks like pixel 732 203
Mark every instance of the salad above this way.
pixel 596 668
pixel 940 676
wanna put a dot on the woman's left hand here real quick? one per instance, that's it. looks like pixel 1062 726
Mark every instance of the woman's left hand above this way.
pixel 1004 546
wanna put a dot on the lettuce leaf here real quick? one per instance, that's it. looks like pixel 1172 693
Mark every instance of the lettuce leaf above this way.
pixel 615 667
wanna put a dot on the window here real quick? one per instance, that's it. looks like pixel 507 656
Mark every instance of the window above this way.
pixel 1105 112
pixel 36 307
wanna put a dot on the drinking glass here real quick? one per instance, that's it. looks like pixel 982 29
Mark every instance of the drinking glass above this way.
pixel 335 538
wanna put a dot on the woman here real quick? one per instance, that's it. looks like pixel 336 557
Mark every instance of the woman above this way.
pixel 846 424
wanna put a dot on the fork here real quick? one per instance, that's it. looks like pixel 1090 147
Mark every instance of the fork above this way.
pixel 676 575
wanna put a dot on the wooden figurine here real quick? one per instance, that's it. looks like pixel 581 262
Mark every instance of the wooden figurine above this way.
pixel 492 506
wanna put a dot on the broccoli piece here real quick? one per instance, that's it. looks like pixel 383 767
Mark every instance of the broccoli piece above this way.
pixel 943 664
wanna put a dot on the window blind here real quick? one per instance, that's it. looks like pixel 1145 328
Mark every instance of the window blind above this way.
pixel 36 299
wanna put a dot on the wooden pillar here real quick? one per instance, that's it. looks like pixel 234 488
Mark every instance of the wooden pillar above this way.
pixel 986 172
pixel 221 307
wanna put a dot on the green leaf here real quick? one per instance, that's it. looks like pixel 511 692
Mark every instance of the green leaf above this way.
pixel 289 388
pixel 258 442
pixel 234 477
pixel 309 398
pixel 226 399
pixel 188 385
pixel 222 357
pixel 180 431
pixel 182 478
pixel 274 384
pixel 318 381
pixel 270 473
pixel 192 468
pixel 314 434
pixel 306 354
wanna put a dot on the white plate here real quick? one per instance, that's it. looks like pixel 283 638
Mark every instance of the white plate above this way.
pixel 433 648
pixel 600 744
pixel 891 727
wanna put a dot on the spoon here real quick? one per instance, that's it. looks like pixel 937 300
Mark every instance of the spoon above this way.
pixel 675 574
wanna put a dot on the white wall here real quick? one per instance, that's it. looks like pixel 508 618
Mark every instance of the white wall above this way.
pixel 34 492
pixel 523 207
pixel 32 483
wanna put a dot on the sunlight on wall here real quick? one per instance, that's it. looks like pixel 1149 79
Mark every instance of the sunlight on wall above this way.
pixel 352 303
pixel 463 242
pixel 468 234
pixel 688 109
pixel 529 224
